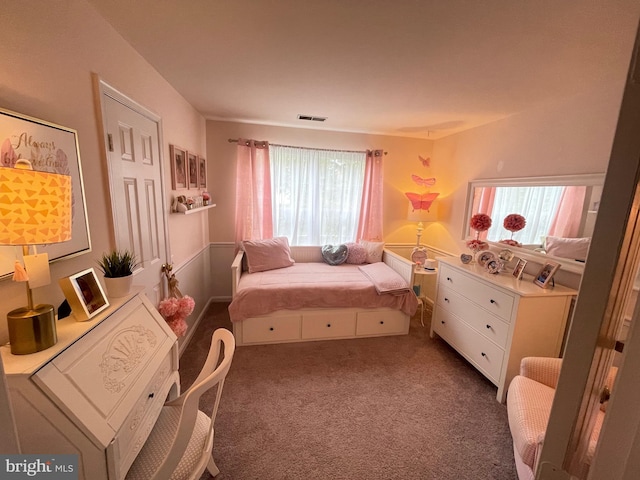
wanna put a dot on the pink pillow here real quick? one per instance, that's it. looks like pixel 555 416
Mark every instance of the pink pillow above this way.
pixel 357 254
pixel 267 254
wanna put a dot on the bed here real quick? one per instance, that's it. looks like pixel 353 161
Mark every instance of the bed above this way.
pixel 312 300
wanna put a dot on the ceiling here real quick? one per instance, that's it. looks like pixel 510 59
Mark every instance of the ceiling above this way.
pixel 415 68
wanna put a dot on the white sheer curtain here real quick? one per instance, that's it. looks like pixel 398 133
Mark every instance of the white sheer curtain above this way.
pixel 537 205
pixel 316 194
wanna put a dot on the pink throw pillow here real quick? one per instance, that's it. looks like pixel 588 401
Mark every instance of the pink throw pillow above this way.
pixel 263 255
pixel 357 254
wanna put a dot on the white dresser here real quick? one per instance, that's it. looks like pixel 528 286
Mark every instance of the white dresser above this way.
pixel 98 391
pixel 495 320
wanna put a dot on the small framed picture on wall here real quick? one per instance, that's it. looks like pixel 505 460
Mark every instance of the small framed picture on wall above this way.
pixel 202 173
pixel 178 167
pixel 545 276
pixel 192 162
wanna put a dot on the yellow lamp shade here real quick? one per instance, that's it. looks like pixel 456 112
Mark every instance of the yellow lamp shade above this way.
pixel 35 207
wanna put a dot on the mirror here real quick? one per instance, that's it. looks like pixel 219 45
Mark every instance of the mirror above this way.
pixel 560 214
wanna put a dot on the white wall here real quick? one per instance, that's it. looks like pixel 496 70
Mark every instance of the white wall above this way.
pixel 49 51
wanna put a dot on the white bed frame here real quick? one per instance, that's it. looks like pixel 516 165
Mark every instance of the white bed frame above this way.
pixel 311 324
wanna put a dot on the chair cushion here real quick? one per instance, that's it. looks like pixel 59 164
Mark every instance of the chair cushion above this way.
pixel 159 442
pixel 528 409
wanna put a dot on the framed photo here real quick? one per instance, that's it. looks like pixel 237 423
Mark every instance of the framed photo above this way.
pixel 49 148
pixel 178 167
pixel 485 257
pixel 84 294
pixel 544 276
pixel 192 163
pixel 518 270
pixel 202 173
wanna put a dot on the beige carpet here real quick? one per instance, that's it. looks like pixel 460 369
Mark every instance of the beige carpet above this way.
pixel 405 407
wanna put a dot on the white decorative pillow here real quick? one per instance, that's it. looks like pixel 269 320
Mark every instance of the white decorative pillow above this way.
pixel 574 248
pixel 267 254
pixel 374 250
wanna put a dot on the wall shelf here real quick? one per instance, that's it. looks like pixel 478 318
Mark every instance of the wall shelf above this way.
pixel 195 210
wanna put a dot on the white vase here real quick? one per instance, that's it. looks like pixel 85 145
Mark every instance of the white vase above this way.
pixel 118 286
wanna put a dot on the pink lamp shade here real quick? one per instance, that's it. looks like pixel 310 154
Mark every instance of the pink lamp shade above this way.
pixel 421 201
pixel 35 207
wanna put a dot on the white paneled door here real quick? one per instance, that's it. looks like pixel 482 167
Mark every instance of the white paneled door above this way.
pixel 133 144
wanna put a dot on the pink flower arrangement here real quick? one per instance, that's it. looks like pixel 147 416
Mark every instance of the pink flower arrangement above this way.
pixel 511 243
pixel 480 222
pixel 206 196
pixel 514 222
pixel 175 311
pixel 477 245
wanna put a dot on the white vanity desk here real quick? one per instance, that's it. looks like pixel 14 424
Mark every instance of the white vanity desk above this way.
pixel 495 320
pixel 99 390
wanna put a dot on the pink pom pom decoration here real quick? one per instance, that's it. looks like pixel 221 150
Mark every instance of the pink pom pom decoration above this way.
pixel 168 307
pixel 480 222
pixel 185 306
pixel 477 245
pixel 175 311
pixel 514 222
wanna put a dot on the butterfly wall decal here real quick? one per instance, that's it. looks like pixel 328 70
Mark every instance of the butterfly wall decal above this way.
pixel 424 182
pixel 425 161
pixel 421 201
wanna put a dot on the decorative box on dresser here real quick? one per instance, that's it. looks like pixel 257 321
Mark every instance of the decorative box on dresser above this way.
pixel 494 320
pixel 99 390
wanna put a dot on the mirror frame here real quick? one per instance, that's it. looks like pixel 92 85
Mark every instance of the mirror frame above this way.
pixel 589 179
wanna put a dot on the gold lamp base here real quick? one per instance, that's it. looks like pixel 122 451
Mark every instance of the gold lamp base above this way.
pixel 32 330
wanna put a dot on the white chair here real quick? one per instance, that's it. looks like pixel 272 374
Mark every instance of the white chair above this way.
pixel 181 442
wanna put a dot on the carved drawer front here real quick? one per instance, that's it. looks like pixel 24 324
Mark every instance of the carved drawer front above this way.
pixel 481 352
pixel 138 425
pixel 272 329
pixel 325 325
pixel 487 296
pixel 488 325
pixel 373 323
pixel 99 378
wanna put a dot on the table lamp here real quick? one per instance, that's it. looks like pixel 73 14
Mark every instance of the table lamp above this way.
pixel 35 209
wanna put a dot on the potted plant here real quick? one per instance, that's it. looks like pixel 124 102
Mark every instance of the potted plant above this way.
pixel 117 267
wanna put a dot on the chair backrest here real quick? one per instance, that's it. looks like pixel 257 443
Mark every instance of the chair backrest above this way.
pixel 213 373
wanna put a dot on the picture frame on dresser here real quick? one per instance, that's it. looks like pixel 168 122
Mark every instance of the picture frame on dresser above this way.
pixel 544 278
pixel 84 294
pixel 178 167
pixel 192 167
pixel 518 270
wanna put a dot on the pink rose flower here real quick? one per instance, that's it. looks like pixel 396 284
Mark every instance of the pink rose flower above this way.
pixel 514 222
pixel 480 222
pixel 477 245
pixel 510 242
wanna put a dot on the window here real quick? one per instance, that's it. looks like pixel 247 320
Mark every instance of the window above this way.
pixel 538 206
pixel 316 194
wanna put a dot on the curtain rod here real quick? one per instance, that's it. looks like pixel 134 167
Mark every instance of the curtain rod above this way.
pixel 376 152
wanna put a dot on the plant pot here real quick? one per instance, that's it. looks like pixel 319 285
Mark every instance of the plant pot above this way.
pixel 118 286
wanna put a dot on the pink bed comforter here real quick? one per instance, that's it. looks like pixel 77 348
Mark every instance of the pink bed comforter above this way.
pixel 310 285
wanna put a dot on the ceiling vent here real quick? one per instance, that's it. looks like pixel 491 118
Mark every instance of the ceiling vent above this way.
pixel 311 118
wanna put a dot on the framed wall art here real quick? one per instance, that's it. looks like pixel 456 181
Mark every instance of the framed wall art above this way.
pixel 202 173
pixel 178 167
pixel 84 294
pixel 192 162
pixel 48 148
pixel 545 276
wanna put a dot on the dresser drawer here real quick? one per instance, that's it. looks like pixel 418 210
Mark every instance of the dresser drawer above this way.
pixel 485 355
pixel 381 323
pixel 256 330
pixel 325 325
pixel 488 297
pixel 488 325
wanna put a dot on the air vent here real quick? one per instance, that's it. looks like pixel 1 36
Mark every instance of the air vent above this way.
pixel 311 118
